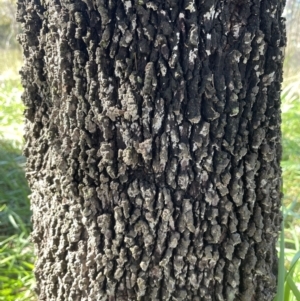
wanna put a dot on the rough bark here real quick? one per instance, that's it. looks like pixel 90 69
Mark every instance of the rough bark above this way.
pixel 153 146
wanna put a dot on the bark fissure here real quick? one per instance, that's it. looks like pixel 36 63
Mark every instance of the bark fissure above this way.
pixel 153 146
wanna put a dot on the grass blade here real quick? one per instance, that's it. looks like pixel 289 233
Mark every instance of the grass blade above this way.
pixel 293 288
pixel 281 268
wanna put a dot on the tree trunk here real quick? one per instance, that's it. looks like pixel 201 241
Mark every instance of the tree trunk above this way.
pixel 153 146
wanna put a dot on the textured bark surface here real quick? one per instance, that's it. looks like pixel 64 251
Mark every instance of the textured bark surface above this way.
pixel 153 145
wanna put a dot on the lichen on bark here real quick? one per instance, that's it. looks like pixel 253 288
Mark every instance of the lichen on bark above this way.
pixel 153 147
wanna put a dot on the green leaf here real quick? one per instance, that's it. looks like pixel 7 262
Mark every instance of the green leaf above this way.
pixel 281 268
pixel 12 221
pixel 7 259
pixel 293 288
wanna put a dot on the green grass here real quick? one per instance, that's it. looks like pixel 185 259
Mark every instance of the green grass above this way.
pixel 14 203
pixel 289 254
pixel 16 252
pixel 16 266
pixel 291 141
pixel 289 242
pixel 11 113
pixel 11 106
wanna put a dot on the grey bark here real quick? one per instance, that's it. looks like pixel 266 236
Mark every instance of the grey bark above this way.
pixel 153 146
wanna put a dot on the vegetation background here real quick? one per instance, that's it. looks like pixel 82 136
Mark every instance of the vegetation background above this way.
pixel 16 250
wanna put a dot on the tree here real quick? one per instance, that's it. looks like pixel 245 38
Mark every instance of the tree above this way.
pixel 153 147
